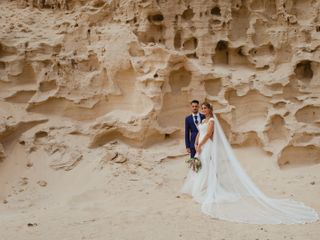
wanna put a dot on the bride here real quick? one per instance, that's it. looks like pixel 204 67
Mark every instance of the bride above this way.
pixel 224 190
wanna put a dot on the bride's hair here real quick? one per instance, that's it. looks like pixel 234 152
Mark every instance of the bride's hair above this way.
pixel 209 106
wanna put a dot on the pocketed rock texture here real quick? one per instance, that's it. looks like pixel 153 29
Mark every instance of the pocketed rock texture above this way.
pixel 93 96
pixel 128 69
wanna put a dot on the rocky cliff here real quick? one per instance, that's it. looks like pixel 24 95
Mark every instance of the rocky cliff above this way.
pixel 78 75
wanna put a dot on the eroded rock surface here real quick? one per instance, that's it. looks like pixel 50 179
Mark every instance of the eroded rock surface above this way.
pixel 127 70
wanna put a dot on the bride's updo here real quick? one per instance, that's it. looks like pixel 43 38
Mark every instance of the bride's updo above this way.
pixel 209 106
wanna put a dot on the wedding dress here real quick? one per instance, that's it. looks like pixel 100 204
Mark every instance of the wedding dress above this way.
pixel 225 192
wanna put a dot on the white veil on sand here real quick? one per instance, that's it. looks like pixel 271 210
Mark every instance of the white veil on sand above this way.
pixel 231 194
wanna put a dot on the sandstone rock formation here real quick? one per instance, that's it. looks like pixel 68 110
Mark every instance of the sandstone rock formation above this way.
pixel 101 71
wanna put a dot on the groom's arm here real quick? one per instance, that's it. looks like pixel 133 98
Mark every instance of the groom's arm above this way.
pixel 187 134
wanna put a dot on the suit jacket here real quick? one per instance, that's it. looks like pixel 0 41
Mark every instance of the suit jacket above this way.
pixel 191 130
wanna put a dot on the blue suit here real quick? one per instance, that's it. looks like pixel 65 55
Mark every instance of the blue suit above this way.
pixel 191 132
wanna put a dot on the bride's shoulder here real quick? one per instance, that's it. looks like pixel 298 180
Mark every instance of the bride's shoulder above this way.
pixel 211 120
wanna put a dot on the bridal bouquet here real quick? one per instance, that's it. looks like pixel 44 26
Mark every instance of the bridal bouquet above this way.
pixel 194 163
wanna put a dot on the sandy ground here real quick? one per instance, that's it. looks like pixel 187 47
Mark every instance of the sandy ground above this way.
pixel 138 199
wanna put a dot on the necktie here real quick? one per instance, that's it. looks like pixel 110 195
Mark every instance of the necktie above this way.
pixel 196 119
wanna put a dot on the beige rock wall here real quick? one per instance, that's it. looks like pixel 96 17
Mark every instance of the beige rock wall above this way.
pixel 126 70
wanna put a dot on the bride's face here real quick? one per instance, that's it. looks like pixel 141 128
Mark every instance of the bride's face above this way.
pixel 205 110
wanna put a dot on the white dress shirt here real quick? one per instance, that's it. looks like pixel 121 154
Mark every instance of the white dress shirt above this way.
pixel 198 118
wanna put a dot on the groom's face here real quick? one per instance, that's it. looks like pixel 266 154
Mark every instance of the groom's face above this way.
pixel 194 107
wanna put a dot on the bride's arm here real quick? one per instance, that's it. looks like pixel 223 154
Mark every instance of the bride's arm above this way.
pixel 208 135
pixel 196 141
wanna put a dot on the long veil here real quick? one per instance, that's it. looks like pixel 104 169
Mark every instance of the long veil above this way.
pixel 231 194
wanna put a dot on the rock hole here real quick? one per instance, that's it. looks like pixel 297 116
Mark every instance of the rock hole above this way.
pixel 221 53
pixel 192 55
pixel 216 11
pixel 308 114
pixel 190 44
pixel 276 87
pixel 240 52
pixel 179 79
pixel 303 70
pixel 215 21
pixel 98 4
pixel 222 46
pixel 47 85
pixel 177 40
pixel 271 48
pixel 154 34
pixel 188 14
pixel 212 86
pixel 299 155
pixel 279 105
pixel 41 134
pixel 135 49
pixel 156 18
pixel 277 129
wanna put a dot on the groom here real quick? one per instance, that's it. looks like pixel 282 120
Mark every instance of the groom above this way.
pixel 191 127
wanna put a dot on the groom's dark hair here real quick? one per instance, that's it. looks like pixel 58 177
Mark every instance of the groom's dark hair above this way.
pixel 194 101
